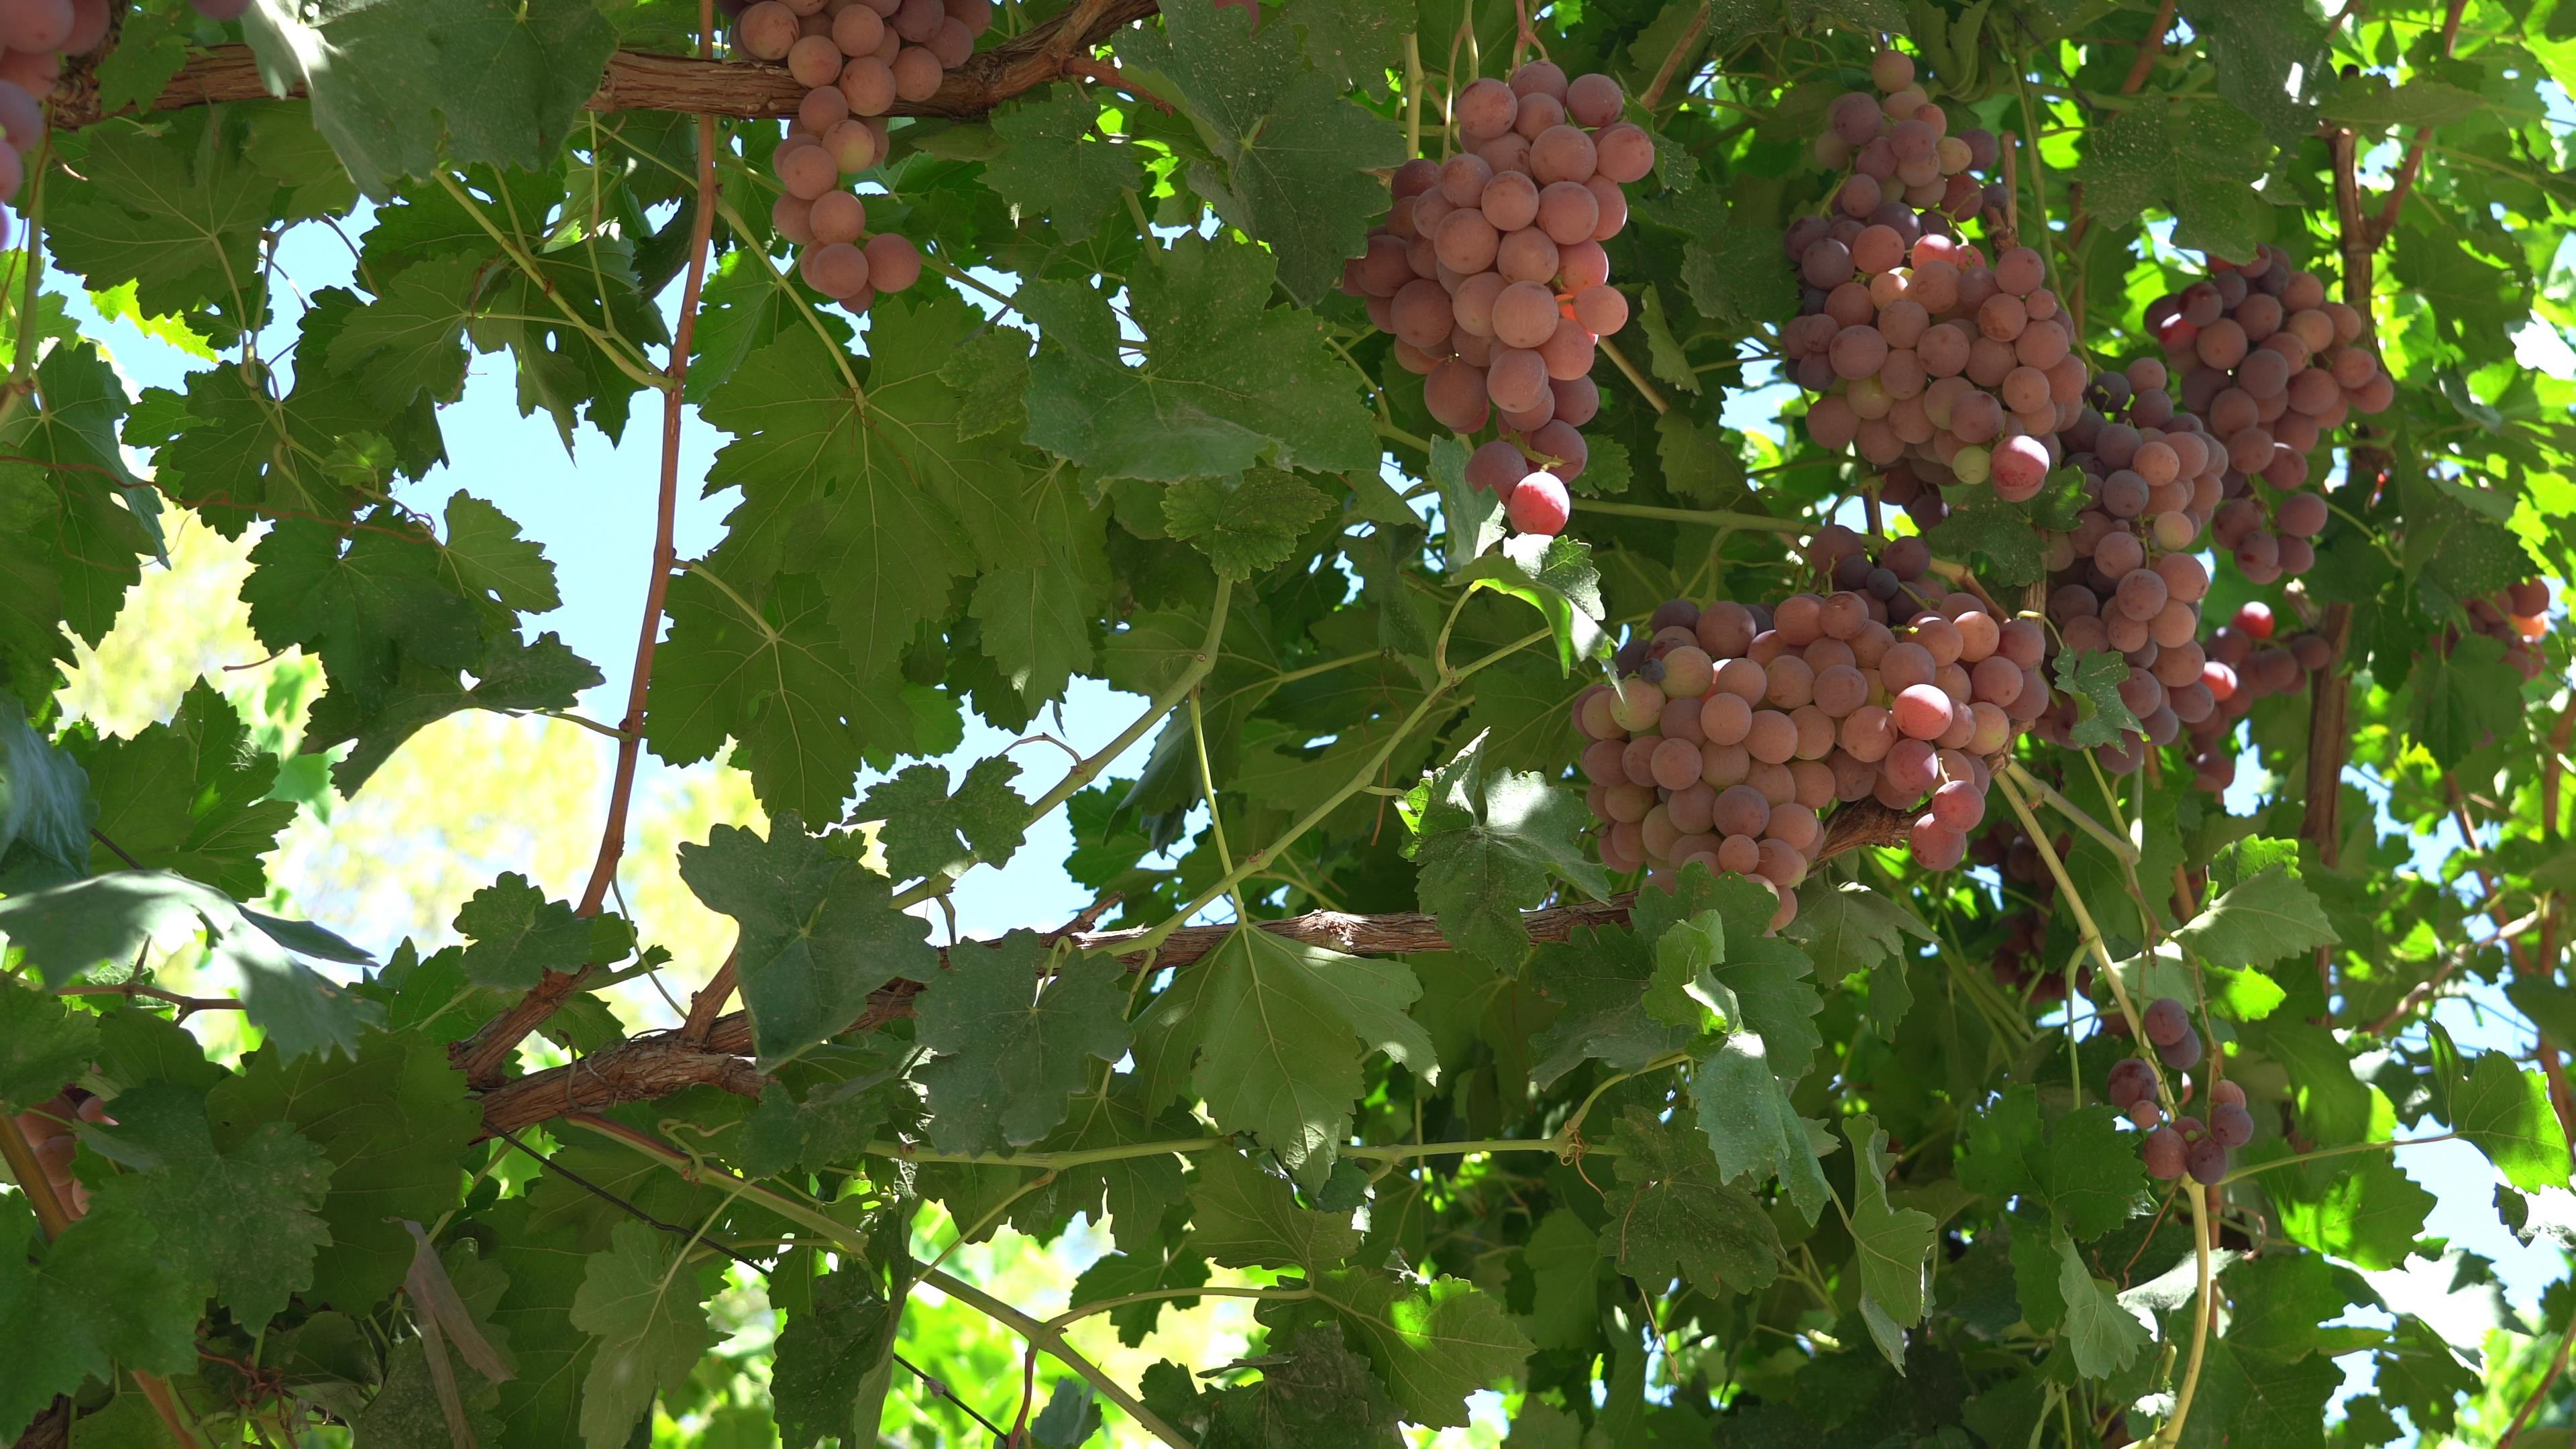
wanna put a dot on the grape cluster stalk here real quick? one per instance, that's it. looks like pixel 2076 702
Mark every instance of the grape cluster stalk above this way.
pixel 2177 1144
pixel 1732 730
pixel 1490 274
pixel 856 58
pixel 1920 352
pixel 50 1127
pixel 35 36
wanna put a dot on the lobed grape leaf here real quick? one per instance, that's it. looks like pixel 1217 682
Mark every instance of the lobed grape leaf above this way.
pixel 1016 1030
pixel 1490 843
pixel 2094 680
pixel 835 1360
pixel 647 1308
pixel 98 1298
pixel 1673 1213
pixel 2105 1339
pixel 1247 523
pixel 43 1047
pixel 189 794
pixel 515 935
pixel 2189 160
pixel 2505 1113
pixel 1053 165
pixel 1752 1127
pixel 1891 1246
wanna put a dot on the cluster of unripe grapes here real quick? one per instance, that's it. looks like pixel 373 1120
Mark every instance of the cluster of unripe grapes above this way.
pixel 1490 273
pixel 2183 1144
pixel 1732 728
pixel 855 58
pixel 2248 661
pixel 2269 364
pixel 2514 616
pixel 49 1127
pixel 1922 352
pixel 2127 578
pixel 37 34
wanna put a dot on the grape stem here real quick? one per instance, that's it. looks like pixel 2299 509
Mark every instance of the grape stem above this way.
pixel 2557 1366
pixel 2346 1150
pixel 2049 795
pixel 1714 518
pixel 1645 389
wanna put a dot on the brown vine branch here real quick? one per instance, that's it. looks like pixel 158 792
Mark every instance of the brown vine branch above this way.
pixel 1689 41
pixel 709 1003
pixel 636 81
pixel 2413 166
pixel 2530 1406
pixel 2149 49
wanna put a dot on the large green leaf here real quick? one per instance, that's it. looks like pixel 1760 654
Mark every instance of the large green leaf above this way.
pixel 1017 1031
pixel 1488 844
pixel 648 1310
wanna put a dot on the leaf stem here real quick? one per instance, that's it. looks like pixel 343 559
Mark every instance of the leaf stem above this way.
pixel 1204 1290
pixel 1082 774
pixel 1051 1338
pixel 1714 518
pixel 2345 1150
pixel 2048 794
pixel 1645 389
pixel 1207 791
pixel 618 353
pixel 2201 1311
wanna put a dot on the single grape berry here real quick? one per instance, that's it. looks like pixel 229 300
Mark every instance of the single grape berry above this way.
pixel 2230 1125
pixel 2163 1153
pixel 2181 1055
pixel 2206 1161
pixel 2167 1021
pixel 2131 1081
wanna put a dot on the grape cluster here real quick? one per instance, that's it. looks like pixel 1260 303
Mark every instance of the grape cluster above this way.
pixel 49 1126
pixel 2183 1144
pixel 2020 964
pixel 1733 728
pixel 2247 662
pixel 2126 578
pixel 1490 273
pixel 37 35
pixel 1922 353
pixel 2514 616
pixel 2269 364
pixel 856 58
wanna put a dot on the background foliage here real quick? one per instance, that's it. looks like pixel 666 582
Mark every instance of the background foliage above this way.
pixel 1651 1175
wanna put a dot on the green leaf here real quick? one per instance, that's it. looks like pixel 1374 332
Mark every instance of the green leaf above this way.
pixel 1318 1395
pixel 66 930
pixel 43 1047
pixel 392 1123
pixel 2333 1105
pixel 1433 1344
pixel 2259 921
pixel 1557 577
pixel 484 558
pixel 1292 157
pixel 1224 382
pixel 1487 844
pixel 402 88
pixel 2272 62
pixel 834 1362
pixel 188 794
pixel 1598 977
pixel 2370 103
pixel 1247 523
pixel 1472 517
pixel 2464 699
pixel 2105 1339
pixel 1751 1126
pixel 929 831
pixel 819 932
pixel 2361 1208
pixel 97 1299
pixel 1891 1246
pixel 171 208
pixel 2194 160
pixel 2090 1175
pixel 989 372
pixel 1673 1214
pixel 516 935
pixel 44 794
pixel 150 48
pixel 2093 680
pixel 2505 1113
pixel 411 340
pixel 1735 276
pixel 2246 1399
pixel 1564 1258
pixel 2282 1301
pixel 1014 1040
pixel 2005 535
pixel 1279 1030
pixel 1053 165
pixel 2418 1372
pixel 1846 926
pixel 1665 355
pixel 242 1222
pixel 648 1310
pixel 1069 1418
pixel 1242 1216
pixel 768 671
pixel 1117 1275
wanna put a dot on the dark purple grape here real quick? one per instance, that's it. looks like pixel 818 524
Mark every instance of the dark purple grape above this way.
pixel 2206 1161
pixel 2167 1021
pixel 2163 1152
pixel 2230 1125
pixel 2182 1055
pixel 2132 1081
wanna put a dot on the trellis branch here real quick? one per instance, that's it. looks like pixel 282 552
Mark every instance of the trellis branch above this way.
pixel 637 81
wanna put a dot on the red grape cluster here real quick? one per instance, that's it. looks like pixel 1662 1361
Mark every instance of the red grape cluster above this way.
pixel 1490 273
pixel 856 58
pixel 2248 663
pixel 49 1127
pixel 1733 727
pixel 37 35
pixel 2515 616
pixel 2269 364
pixel 1923 353
pixel 2126 578
pixel 2184 1144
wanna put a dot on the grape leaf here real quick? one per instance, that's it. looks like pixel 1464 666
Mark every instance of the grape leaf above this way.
pixel 2505 1113
pixel 1488 844
pixel 173 208
pixel 2333 1105
pixel 770 672
pixel 2093 680
pixel 2464 700
pixel 2259 921
pixel 392 1122
pixel 187 794
pixel 2370 103
pixel 1247 523
pixel 1070 1417
pixel 2363 1209
pixel 1014 1042
pixel 1564 1259
pixel 516 935
pixel 1052 165
pixel 43 1047
pixel 242 1222
pixel 2255 1400
pixel 1845 926
pixel 1131 1192
pixel 1472 517
pixel 1120 1275
pixel 1735 275
pixel 819 932
pixel 990 373
pixel 1292 156
pixel 2189 159
pixel 1280 1029
pixel 929 831
pixel 510 677
pixel 1750 1124
pixel 1318 1395
pixel 1224 381
pixel 44 794
pixel 99 1298
pixel 1892 1246
pixel 484 558
pixel 834 1361
pixel 366 610
pixel 2418 1372
pixel 2105 1339
pixel 1981 523
pixel 648 1311
pixel 1242 1216
pixel 2271 61
pixel 2283 1301
pixel 1674 1215
pixel 1598 977
pixel 1432 1343
pixel 410 341
pixel 400 88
